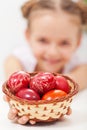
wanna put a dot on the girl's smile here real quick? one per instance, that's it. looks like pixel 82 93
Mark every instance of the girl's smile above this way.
pixel 52 61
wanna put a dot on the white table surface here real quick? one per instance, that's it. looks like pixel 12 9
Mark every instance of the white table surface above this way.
pixel 76 121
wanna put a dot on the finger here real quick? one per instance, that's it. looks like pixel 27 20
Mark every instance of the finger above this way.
pixel 6 98
pixel 23 120
pixel 32 122
pixel 61 118
pixel 12 114
pixel 69 111
pixel 15 120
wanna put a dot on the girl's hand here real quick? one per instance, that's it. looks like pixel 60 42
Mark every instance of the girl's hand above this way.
pixel 13 115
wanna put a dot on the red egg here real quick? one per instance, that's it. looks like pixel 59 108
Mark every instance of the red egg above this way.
pixel 62 84
pixel 28 94
pixel 18 80
pixel 43 82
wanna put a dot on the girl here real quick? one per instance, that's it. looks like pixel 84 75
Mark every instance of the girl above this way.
pixel 53 34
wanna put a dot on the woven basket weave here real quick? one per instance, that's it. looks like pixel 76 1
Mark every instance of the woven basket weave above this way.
pixel 42 110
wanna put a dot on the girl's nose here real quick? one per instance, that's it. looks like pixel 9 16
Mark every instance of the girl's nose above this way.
pixel 53 50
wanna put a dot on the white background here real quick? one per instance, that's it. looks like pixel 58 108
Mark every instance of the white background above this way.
pixel 12 27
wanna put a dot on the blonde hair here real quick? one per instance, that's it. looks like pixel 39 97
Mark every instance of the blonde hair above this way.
pixel 76 8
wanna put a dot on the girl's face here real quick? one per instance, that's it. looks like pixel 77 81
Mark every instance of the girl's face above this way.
pixel 53 38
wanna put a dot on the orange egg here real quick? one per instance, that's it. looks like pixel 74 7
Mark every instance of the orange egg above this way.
pixel 54 94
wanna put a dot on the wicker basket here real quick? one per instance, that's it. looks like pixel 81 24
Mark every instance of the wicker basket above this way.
pixel 42 110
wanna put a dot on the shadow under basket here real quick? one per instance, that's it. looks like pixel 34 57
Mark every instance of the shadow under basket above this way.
pixel 42 110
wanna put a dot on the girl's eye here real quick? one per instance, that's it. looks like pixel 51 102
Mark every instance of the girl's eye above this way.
pixel 64 43
pixel 43 40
